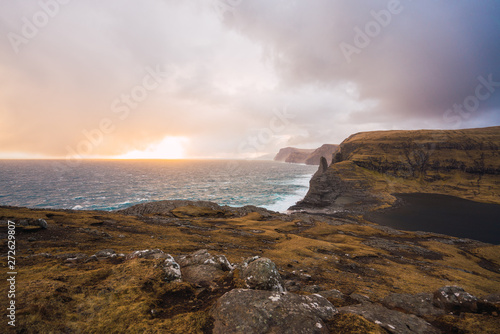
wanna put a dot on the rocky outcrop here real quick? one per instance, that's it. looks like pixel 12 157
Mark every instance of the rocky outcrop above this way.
pixel 261 274
pixel 420 304
pixel 326 151
pixel 147 254
pixel 171 269
pixel 293 155
pixel 190 209
pixel 307 156
pixel 371 166
pixel 393 321
pixel 256 312
pixel 455 299
pixel 201 268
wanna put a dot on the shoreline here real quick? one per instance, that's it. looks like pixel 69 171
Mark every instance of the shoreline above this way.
pixel 165 206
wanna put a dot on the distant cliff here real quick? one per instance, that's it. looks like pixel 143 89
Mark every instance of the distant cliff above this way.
pixel 293 155
pixel 325 150
pixel 307 156
pixel 371 166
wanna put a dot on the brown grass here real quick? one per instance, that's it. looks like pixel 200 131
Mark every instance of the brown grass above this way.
pixel 116 296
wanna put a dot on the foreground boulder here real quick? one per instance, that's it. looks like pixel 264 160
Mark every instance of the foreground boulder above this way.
pixel 261 274
pixel 201 268
pixel 257 312
pixel 393 321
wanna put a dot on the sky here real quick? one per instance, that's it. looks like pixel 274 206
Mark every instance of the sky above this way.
pixel 238 78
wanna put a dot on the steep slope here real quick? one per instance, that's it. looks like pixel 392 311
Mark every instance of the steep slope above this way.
pixel 371 166
pixel 293 155
pixel 326 150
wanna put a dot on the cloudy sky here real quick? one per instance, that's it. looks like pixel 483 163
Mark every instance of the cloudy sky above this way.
pixel 238 78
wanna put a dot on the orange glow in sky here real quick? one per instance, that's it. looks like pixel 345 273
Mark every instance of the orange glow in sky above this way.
pixel 168 148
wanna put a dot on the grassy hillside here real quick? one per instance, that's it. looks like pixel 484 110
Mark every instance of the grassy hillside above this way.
pixel 62 288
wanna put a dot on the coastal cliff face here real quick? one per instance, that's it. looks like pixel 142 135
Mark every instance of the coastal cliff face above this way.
pixel 293 155
pixel 371 166
pixel 306 156
pixel 326 150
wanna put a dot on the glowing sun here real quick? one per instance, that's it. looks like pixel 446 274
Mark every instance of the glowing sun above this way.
pixel 168 148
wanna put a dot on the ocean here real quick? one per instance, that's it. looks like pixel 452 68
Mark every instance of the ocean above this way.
pixel 118 184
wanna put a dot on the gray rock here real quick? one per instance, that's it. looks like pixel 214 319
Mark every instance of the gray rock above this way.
pixel 43 223
pixel 203 257
pixel 393 321
pixel 419 304
pixel 455 299
pixel 172 270
pixel 105 253
pixel 224 264
pixel 72 257
pixel 147 254
pixel 203 269
pixel 334 294
pixel 359 298
pixel 256 311
pixel 262 274
pixel 199 257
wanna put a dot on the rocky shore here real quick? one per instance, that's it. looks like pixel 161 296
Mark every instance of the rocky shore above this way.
pixel 197 267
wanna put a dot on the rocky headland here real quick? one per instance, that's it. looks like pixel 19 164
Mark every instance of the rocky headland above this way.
pixel 197 267
pixel 326 150
pixel 293 155
pixel 306 156
pixel 370 167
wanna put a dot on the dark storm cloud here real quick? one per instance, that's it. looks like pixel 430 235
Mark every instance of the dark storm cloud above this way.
pixel 421 58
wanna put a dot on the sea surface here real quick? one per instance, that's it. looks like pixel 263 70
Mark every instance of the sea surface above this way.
pixel 117 184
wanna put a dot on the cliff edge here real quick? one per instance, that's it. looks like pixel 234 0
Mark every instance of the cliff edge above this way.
pixel 293 155
pixel 372 166
pixel 326 150
pixel 306 156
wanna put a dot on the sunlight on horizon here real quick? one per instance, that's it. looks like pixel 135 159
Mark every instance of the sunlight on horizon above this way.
pixel 168 148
